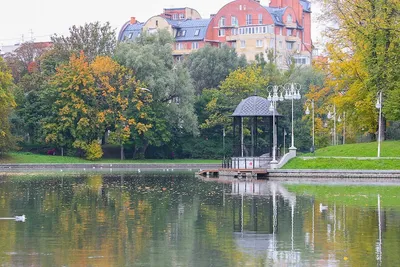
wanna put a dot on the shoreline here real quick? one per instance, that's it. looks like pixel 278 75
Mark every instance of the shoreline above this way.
pixel 278 174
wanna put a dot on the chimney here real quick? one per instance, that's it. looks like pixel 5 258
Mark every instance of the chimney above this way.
pixel 133 20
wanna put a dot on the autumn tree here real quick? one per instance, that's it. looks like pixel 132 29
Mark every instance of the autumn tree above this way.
pixel 6 104
pixel 363 48
pixel 90 99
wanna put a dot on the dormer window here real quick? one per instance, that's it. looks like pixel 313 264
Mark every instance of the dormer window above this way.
pixel 181 16
pixel 289 19
pixel 181 33
pixel 175 16
pixel 197 32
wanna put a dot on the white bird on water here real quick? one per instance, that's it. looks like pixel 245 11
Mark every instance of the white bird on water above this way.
pixel 322 207
pixel 16 218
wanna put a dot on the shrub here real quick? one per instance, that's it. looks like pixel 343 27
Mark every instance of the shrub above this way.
pixel 93 151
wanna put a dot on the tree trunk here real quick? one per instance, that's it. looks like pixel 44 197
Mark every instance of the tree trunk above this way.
pixel 62 151
pixel 122 152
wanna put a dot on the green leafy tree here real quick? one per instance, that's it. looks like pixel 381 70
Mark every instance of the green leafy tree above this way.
pixel 172 110
pixel 209 66
pixel 94 39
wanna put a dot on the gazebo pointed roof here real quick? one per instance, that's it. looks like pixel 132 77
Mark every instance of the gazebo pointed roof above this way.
pixel 254 106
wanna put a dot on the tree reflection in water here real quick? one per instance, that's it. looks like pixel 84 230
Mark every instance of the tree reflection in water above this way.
pixel 176 219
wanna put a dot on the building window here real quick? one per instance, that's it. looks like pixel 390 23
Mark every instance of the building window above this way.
pixel 242 44
pixel 301 61
pixel 130 35
pixel 280 44
pixel 197 32
pixel 249 19
pixel 289 19
pixel 222 22
pixel 195 45
pixel 280 30
pixel 240 7
pixel 234 21
pixel 234 31
pixel 271 43
pixel 175 16
pixel 233 44
pixel 259 43
pixel 260 19
pixel 289 32
pixel 289 45
pixel 181 16
pixel 270 29
pixel 179 46
pixel 221 32
pixel 257 30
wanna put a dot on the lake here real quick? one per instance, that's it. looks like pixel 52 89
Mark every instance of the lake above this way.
pixel 177 219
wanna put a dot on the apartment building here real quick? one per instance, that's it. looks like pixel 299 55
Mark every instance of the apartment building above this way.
pixel 283 27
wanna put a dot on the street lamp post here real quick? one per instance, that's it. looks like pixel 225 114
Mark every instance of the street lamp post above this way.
pixel 344 127
pixel 333 116
pixel 276 96
pixel 378 105
pixel 292 92
pixel 313 121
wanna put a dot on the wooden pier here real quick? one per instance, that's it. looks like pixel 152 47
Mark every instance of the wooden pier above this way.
pixel 236 173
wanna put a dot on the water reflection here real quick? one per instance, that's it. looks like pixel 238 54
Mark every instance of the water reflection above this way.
pixel 178 220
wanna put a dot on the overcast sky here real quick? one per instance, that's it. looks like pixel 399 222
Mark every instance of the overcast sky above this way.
pixel 42 18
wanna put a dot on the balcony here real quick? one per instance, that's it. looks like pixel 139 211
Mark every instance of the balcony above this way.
pixel 232 38
pixel 181 52
pixel 291 25
pixel 291 38
pixel 228 26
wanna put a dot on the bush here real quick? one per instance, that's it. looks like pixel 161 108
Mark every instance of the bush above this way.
pixel 93 151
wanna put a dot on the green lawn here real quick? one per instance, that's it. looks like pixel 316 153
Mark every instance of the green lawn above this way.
pixel 388 149
pixel 22 157
pixel 343 164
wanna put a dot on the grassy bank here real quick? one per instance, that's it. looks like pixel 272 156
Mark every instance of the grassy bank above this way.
pixel 22 157
pixel 343 164
pixel 388 149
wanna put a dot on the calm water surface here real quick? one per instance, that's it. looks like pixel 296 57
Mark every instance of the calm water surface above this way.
pixel 177 219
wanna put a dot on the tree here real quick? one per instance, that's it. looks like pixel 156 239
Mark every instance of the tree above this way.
pixel 209 66
pixel 122 102
pixel 150 58
pixel 6 104
pixel 94 39
pixel 92 99
pixel 25 59
pixel 363 49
